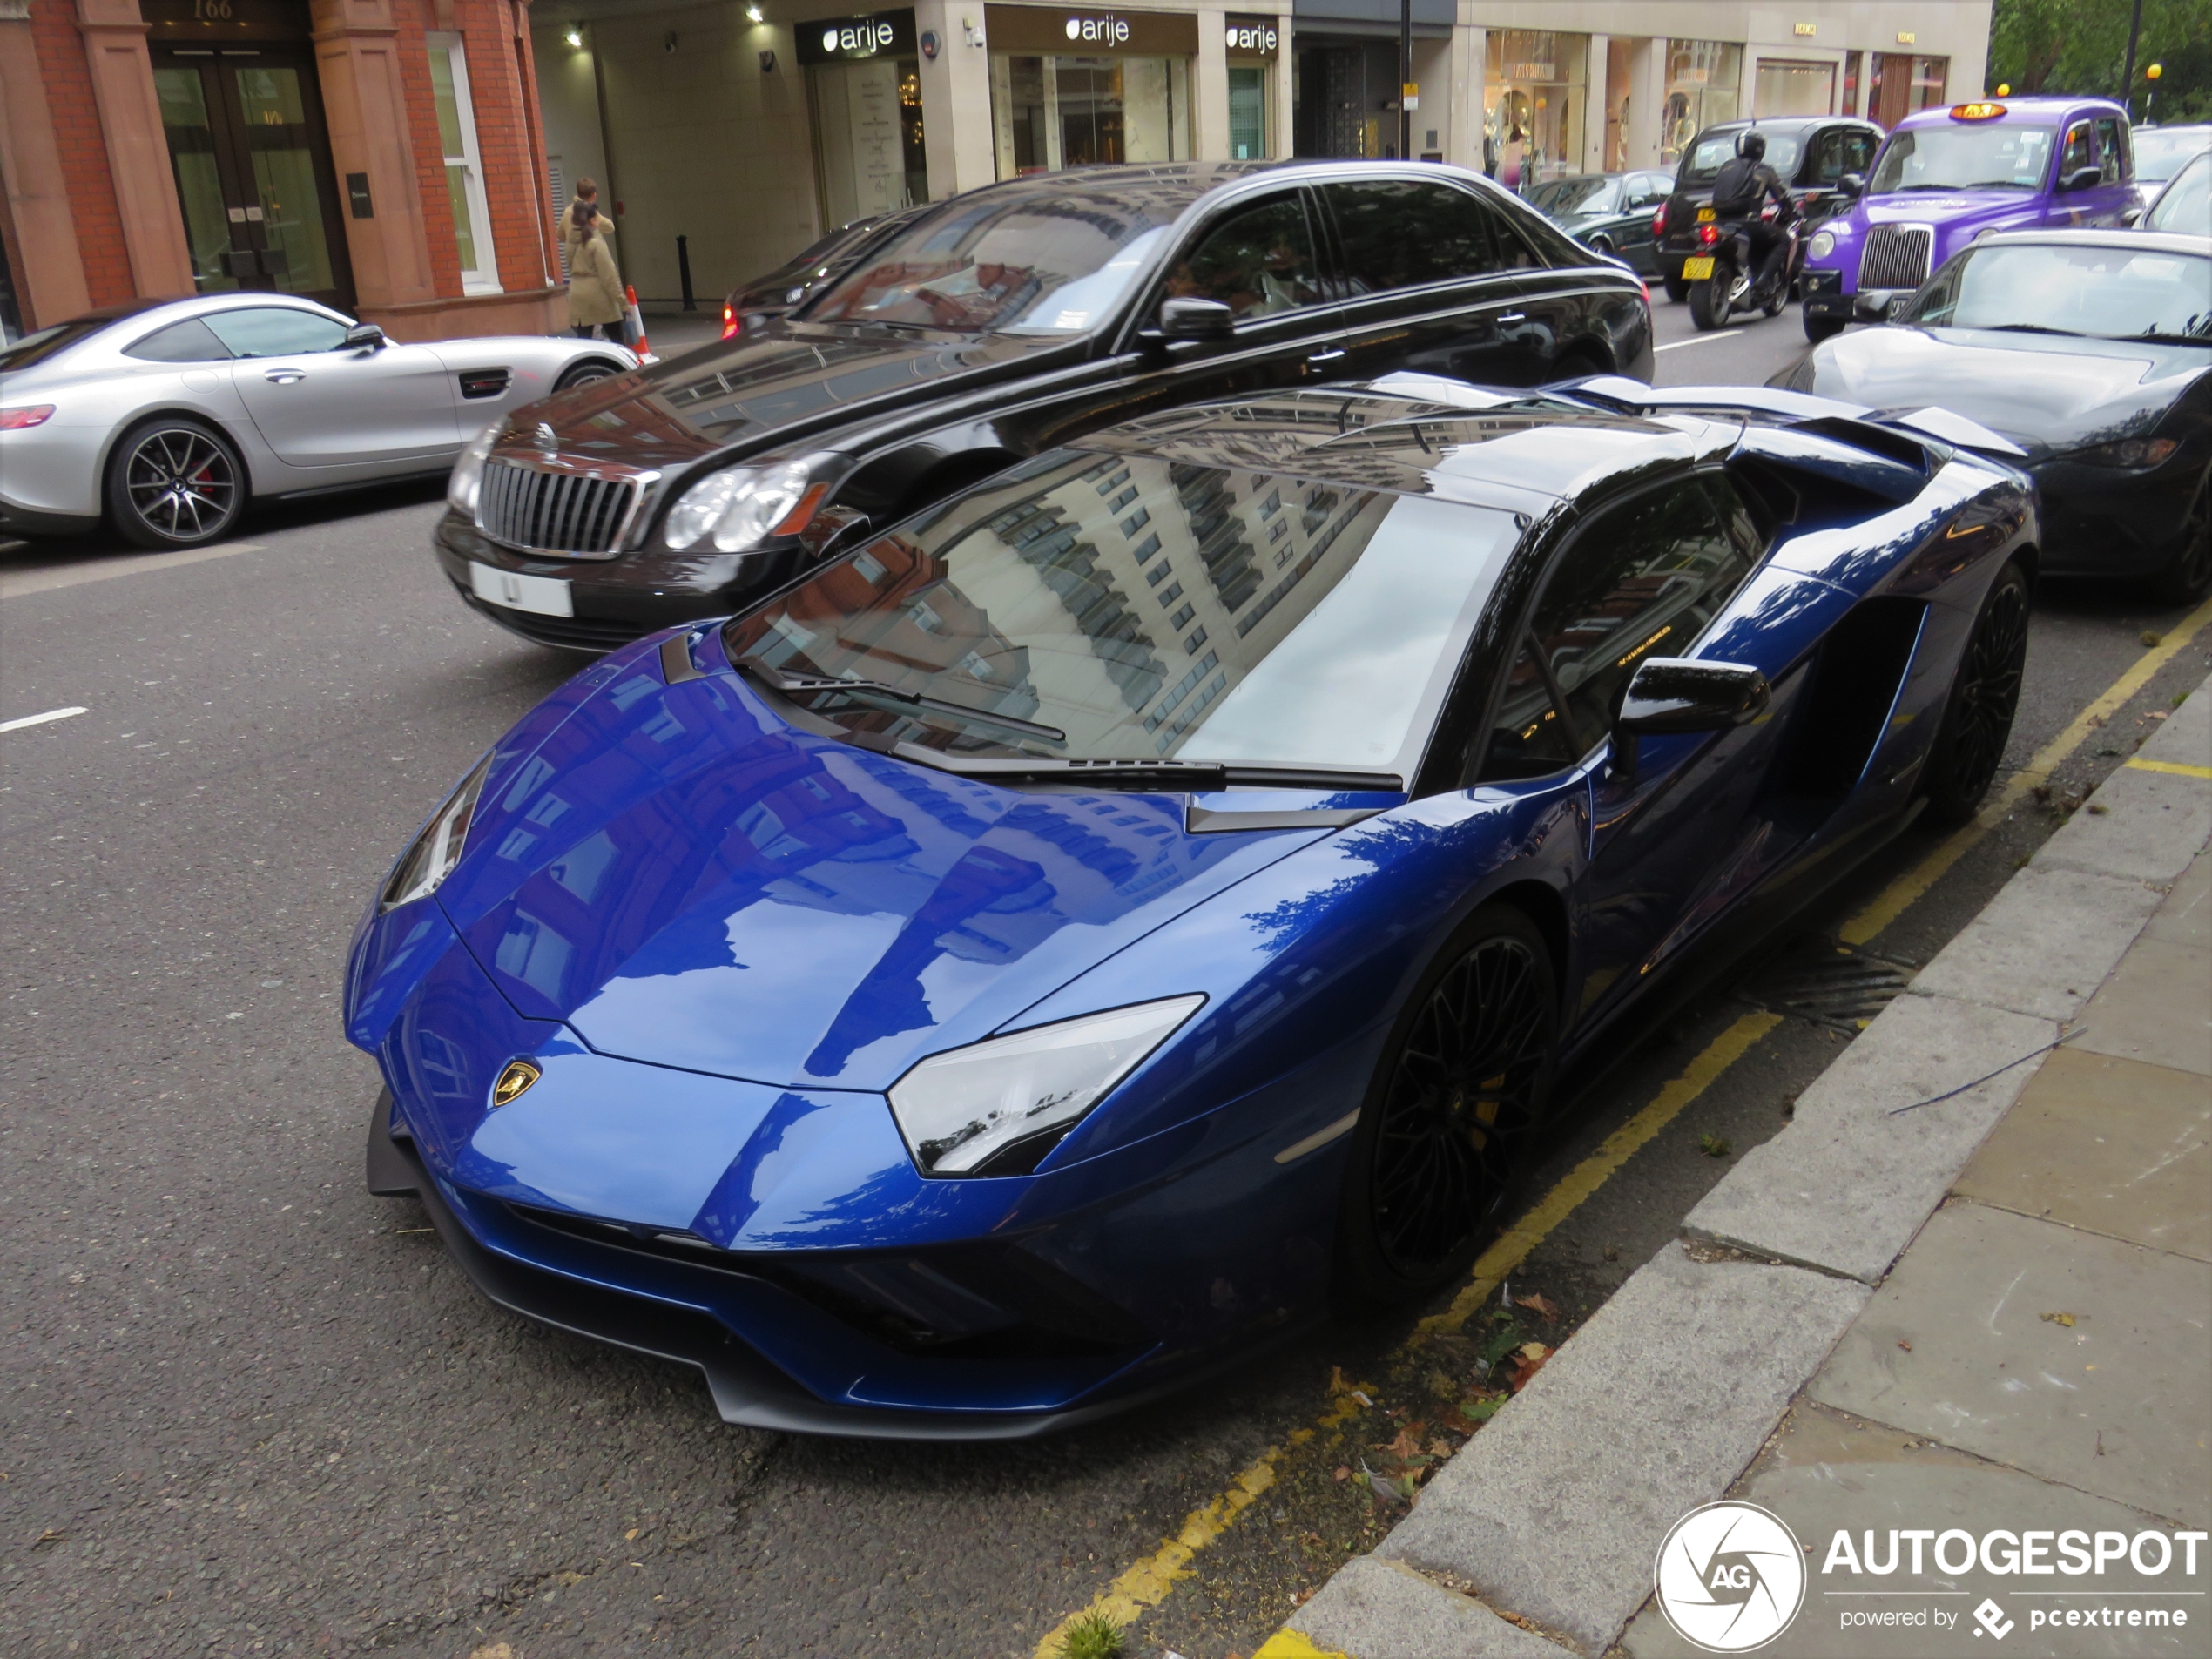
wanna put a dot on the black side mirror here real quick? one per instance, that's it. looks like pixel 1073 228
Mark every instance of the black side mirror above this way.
pixel 363 336
pixel 1673 694
pixel 1852 184
pixel 1196 320
pixel 2082 178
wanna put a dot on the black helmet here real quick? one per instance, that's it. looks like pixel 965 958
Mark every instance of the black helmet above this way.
pixel 1752 146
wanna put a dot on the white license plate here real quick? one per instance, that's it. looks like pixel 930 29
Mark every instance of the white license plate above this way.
pixel 547 595
pixel 1692 271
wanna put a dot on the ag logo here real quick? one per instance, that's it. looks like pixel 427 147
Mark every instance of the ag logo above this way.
pixel 1730 1577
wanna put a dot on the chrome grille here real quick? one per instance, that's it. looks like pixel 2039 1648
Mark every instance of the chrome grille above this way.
pixel 556 508
pixel 1896 256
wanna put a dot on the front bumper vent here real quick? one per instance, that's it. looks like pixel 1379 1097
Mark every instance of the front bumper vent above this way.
pixel 562 510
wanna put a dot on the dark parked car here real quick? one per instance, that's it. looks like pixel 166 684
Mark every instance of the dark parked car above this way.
pixel 753 306
pixel 2090 350
pixel 1048 949
pixel 1810 153
pixel 998 324
pixel 1610 211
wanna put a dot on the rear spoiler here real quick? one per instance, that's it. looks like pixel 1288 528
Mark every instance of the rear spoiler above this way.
pixel 1881 427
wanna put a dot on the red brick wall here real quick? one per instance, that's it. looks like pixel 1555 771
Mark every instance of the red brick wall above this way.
pixel 504 140
pixel 84 150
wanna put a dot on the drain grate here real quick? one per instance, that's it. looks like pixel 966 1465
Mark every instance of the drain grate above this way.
pixel 1827 982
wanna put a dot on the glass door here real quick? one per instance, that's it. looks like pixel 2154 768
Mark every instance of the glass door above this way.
pixel 251 166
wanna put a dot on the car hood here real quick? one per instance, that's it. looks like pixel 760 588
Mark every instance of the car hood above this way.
pixel 686 880
pixel 2043 392
pixel 1941 206
pixel 792 380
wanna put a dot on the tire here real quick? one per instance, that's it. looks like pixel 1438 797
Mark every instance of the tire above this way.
pixel 1445 1132
pixel 1677 290
pixel 1708 305
pixel 1773 307
pixel 2189 577
pixel 1603 245
pixel 1820 328
pixel 1985 694
pixel 174 482
pixel 583 374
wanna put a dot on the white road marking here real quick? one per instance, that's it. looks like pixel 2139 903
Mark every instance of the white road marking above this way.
pixel 38 719
pixel 68 575
pixel 1697 339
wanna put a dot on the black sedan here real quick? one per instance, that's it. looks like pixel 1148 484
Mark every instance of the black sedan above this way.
pixel 999 323
pixel 1610 211
pixel 751 307
pixel 1810 153
pixel 2092 351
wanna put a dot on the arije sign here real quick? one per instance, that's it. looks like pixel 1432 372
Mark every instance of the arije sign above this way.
pixel 838 40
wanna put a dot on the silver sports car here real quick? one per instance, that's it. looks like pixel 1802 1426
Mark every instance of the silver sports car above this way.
pixel 164 417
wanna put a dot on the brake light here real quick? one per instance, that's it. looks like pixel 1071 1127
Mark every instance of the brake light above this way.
pixel 1659 220
pixel 24 414
pixel 730 327
pixel 1708 235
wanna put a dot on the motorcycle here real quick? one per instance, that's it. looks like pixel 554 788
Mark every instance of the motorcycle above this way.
pixel 1715 276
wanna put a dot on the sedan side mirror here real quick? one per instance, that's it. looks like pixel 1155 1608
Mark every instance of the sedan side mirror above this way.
pixel 363 336
pixel 2131 216
pixel 1196 320
pixel 1673 694
pixel 1852 184
pixel 2082 178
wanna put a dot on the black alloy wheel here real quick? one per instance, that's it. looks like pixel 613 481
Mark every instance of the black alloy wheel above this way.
pixel 174 482
pixel 584 373
pixel 1709 300
pixel 2187 579
pixel 1450 1115
pixel 1601 244
pixel 1985 694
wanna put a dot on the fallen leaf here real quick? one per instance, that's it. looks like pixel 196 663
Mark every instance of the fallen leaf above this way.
pixel 2151 636
pixel 2059 1318
pixel 1337 1384
pixel 1713 1146
pixel 1526 1361
pixel 1408 1443
pixel 1544 1307
pixel 1440 1448
pixel 2098 809
pixel 1906 1346
pixel 1482 1411
pixel 1343 1472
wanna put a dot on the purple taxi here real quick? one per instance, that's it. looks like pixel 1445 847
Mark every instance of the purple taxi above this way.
pixel 1944 176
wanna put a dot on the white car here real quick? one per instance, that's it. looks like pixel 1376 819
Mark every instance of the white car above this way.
pixel 163 418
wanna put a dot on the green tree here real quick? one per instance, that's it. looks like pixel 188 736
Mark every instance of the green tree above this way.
pixel 2068 46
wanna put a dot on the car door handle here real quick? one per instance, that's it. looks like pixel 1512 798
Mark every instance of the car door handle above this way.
pixel 1328 356
pixel 1512 316
pixel 284 376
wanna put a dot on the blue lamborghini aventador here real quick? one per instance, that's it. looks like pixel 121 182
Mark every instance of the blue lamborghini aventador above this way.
pixel 1149 897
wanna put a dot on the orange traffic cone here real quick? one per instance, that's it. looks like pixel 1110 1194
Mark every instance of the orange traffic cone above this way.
pixel 636 325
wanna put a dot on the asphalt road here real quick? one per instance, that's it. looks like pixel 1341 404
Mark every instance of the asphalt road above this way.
pixel 250 1409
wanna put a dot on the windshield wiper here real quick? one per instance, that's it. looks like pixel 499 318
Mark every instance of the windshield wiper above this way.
pixel 2161 337
pixel 799 684
pixel 2039 329
pixel 1175 776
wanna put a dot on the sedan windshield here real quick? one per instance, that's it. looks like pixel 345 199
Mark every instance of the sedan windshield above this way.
pixel 1588 193
pixel 1025 264
pixel 1963 158
pixel 1122 608
pixel 2100 291
pixel 2159 154
pixel 2186 204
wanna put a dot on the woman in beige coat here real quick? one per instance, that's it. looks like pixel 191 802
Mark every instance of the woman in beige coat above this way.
pixel 595 285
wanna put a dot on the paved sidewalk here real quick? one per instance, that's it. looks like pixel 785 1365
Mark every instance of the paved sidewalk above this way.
pixel 1983 1312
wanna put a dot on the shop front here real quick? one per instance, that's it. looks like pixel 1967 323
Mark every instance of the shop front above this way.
pixel 1793 86
pixel 1347 100
pixel 864 92
pixel 1254 48
pixel 1078 88
pixel 1901 83
pixel 1534 97
pixel 1704 80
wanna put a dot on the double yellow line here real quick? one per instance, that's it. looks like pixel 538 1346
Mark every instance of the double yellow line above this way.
pixel 1149 1582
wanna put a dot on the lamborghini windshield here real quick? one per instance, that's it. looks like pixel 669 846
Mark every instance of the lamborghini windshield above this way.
pixel 1126 608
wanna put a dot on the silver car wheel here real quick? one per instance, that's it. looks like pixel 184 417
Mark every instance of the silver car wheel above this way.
pixel 180 483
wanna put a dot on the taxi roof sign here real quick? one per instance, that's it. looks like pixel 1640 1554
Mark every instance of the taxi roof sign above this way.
pixel 1976 112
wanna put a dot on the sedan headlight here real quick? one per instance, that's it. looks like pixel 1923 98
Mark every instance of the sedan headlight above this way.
pixel 469 471
pixel 430 860
pixel 1824 244
pixel 2137 452
pixel 741 507
pixel 960 1108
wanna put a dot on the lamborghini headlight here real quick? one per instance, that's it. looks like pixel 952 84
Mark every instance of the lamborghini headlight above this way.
pixel 468 470
pixel 430 860
pixel 741 506
pixel 960 1109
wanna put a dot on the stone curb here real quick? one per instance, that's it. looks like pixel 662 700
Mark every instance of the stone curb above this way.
pixel 1682 1376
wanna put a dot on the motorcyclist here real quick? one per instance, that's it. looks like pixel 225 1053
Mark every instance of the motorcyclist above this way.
pixel 1744 186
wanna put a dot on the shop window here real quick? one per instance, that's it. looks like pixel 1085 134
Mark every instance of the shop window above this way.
pixel 1399 235
pixel 1853 65
pixel 1247 113
pixel 1256 262
pixel 464 165
pixel 1786 87
pixel 1533 105
pixel 1930 76
pixel 1701 80
pixel 1051 112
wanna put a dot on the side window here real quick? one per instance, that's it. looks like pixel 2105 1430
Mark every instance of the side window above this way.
pixel 276 331
pixel 2112 145
pixel 1258 261
pixel 180 342
pixel 1401 234
pixel 1859 146
pixel 1824 165
pixel 1639 580
pixel 2080 150
pixel 1650 189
